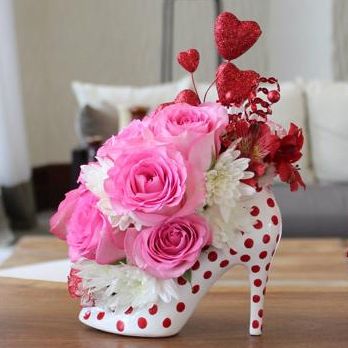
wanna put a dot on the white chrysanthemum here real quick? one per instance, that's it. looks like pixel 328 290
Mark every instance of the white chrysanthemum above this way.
pixel 94 175
pixel 226 232
pixel 118 287
pixel 223 182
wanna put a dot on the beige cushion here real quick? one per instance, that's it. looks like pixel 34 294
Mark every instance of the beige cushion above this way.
pixel 328 120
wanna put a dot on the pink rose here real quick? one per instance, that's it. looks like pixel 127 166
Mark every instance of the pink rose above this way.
pixel 151 182
pixel 168 250
pixel 87 231
pixel 137 131
pixel 195 130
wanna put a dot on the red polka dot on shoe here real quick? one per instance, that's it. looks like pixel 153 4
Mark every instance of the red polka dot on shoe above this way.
pixel 266 238
pixel 263 254
pixel 207 275
pixel 153 310
pixel 255 269
pixel 212 256
pixel 180 307
pixel 129 310
pixel 142 323
pixel 182 281
pixel 270 202
pixel 195 289
pixel 255 211
pixel 120 325
pixel 248 243
pixel 100 315
pixel 195 266
pixel 224 263
pixel 275 220
pixel 256 298
pixel 166 322
pixel 233 252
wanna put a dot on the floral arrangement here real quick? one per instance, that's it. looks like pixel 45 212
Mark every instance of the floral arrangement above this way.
pixel 167 187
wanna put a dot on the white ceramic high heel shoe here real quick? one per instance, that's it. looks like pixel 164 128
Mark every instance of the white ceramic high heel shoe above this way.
pixel 254 249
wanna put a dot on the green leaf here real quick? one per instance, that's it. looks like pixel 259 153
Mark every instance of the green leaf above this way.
pixel 188 275
pixel 121 262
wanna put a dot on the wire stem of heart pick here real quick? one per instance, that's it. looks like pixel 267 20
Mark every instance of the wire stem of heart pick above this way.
pixel 194 87
pixel 206 92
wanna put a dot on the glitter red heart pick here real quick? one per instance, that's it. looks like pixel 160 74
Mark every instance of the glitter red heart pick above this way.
pixel 187 96
pixel 189 60
pixel 234 86
pixel 234 37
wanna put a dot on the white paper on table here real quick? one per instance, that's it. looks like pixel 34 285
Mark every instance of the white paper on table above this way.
pixel 53 271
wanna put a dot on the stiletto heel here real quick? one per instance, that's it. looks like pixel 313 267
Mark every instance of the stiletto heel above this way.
pixel 266 243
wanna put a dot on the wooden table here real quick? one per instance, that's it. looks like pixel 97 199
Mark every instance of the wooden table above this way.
pixel 306 305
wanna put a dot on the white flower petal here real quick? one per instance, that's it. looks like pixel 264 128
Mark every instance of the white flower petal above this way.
pixel 118 287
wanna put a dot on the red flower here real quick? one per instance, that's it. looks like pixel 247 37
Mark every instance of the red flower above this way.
pixel 289 152
pixel 255 142
pixel 290 145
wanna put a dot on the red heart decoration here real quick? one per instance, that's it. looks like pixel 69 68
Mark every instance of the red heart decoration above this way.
pixel 189 60
pixel 234 37
pixel 234 86
pixel 188 96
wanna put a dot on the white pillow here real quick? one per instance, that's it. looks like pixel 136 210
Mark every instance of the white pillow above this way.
pixel 328 120
pixel 121 98
pixel 292 108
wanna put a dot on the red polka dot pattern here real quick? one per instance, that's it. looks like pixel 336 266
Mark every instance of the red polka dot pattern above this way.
pixel 180 307
pixel 254 211
pixel 233 252
pixel 263 254
pixel 275 220
pixel 120 325
pixel 224 263
pixel 212 256
pixel 256 298
pixel 270 202
pixel 268 266
pixel 153 310
pixel 258 224
pixel 207 275
pixel 248 243
pixel 195 266
pixel 258 282
pixel 260 313
pixel 129 310
pixel 255 269
pixel 87 315
pixel 166 323
pixel 245 258
pixel 255 324
pixel 266 238
pixel 195 289
pixel 182 281
pixel 100 315
pixel 142 323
